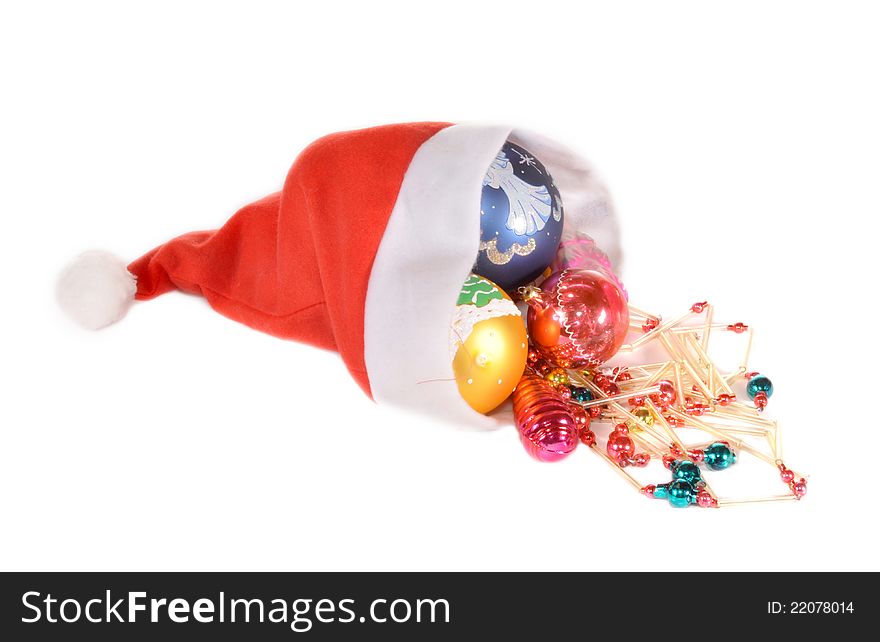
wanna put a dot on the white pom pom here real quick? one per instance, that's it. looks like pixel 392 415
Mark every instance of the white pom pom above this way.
pixel 96 289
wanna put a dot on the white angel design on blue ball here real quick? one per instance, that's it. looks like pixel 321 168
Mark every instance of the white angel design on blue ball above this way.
pixel 530 205
pixel 520 218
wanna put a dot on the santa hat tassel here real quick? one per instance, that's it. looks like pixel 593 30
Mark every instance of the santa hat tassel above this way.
pixel 96 289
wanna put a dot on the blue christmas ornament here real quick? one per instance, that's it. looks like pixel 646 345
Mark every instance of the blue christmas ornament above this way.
pixel 520 219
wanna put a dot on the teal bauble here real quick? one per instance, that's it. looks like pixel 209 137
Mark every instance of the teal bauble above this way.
pixel 719 456
pixel 661 491
pixel 581 395
pixel 686 471
pixel 680 494
pixel 759 383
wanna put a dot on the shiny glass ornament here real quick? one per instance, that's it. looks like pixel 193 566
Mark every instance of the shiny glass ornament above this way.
pixel 718 456
pixel 680 493
pixel 557 377
pixel 580 251
pixel 488 344
pixel 580 416
pixel 521 219
pixel 757 384
pixel 646 418
pixel 705 499
pixel 620 446
pixel 687 471
pixel 581 395
pixel 577 318
pixel 548 429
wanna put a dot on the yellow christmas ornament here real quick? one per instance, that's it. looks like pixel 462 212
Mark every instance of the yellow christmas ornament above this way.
pixel 488 344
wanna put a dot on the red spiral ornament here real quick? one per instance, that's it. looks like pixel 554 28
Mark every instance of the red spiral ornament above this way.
pixel 547 426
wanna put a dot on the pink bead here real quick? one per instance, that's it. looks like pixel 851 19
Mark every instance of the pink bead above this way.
pixel 588 437
pixel 620 447
pixel 641 459
pixel 699 307
pixel 787 476
pixel 705 499
pixel 666 393
pixel 800 488
pixel 564 392
pixel 761 400
pixel 581 417
pixel 611 389
pixel 674 421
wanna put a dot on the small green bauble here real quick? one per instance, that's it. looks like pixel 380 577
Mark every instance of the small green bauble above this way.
pixel 680 493
pixel 759 383
pixel 719 456
pixel 686 471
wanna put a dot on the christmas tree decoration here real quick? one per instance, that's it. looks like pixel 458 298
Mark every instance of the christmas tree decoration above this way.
pixel 558 378
pixel 364 249
pixel 578 318
pixel 671 401
pixel 547 427
pixel 580 252
pixel 488 344
pixel 759 388
pixel 521 218
pixel 581 395
pixel 718 456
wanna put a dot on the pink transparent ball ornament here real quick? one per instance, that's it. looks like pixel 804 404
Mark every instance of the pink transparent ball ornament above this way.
pixel 579 251
pixel 578 318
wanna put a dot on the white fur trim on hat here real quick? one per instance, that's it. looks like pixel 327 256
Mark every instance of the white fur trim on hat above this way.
pixel 429 248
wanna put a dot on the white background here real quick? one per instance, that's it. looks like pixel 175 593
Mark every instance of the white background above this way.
pixel 741 144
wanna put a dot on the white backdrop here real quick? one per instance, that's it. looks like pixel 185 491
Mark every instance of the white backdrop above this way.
pixel 740 143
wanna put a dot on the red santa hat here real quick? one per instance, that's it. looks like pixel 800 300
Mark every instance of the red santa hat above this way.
pixel 363 251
